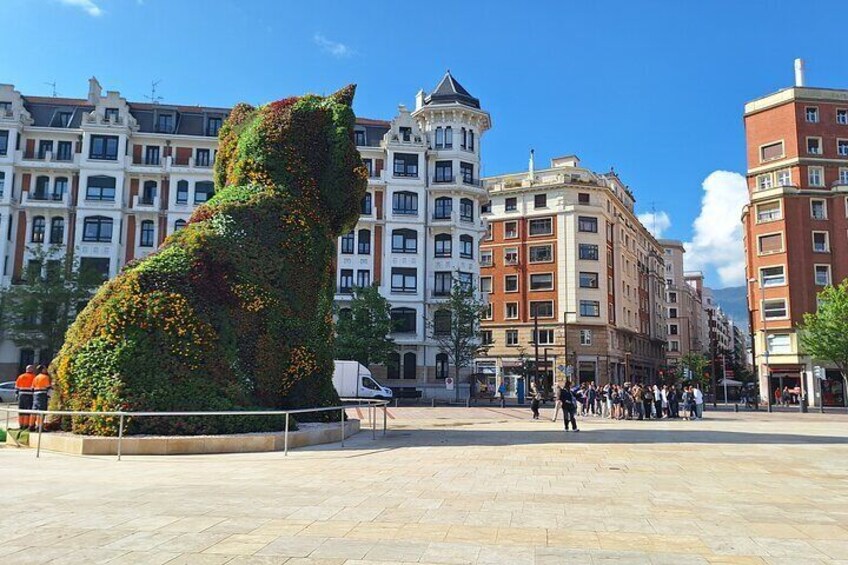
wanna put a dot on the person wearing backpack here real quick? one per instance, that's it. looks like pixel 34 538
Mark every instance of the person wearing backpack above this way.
pixel 569 406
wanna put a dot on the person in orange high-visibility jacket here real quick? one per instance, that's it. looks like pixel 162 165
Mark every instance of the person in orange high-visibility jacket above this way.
pixel 41 386
pixel 23 386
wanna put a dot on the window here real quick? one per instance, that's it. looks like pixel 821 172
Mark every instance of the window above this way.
pixel 213 125
pixel 542 281
pixel 111 115
pixel 146 239
pixel 842 117
pixel 540 201
pixel 97 229
pixel 775 308
pixel 843 176
pixel 100 187
pixel 203 191
pixel 784 178
pixel 673 329
pixel 672 297
pixel 448 137
pixel 45 146
pixel 182 192
pixel 369 166
pixel 404 280
pixel 511 204
pixel 179 224
pixel 543 337
pixel 771 243
pixel 4 141
pixel 404 241
pixel 486 208
pixel 348 241
pixel 406 165
pixel 768 211
pixel 590 308
pixel 542 309
pixel 104 148
pixel 441 365
pixel 812 114
pixel 511 283
pixel 359 137
pixel 510 256
pixel 822 273
pixel 510 230
pixel 540 253
pixel 587 224
pixel 471 140
pixel 582 198
pixel 151 155
pixel 42 184
pixel 485 284
pixel 405 133
pixel 772 276
pixel 443 281
pixel 485 258
pixel 443 243
pixel 818 210
pixel 764 182
pixel 444 171
pixel 443 208
pixel 842 147
pixel 466 247
pixel 403 320
pixel 486 337
pixel 57 230
pixel 466 210
pixel 821 243
pixel 779 343
pixel 467 172
pixel 346 281
pixel 95 265
pixel 201 158
pixel 511 310
pixel 63 151
pixel 364 238
pixel 814 145
pixel 588 251
pixel 405 203
pixel 363 278
pixel 365 205
pixel 588 280
pixel 771 151
pixel 393 366
pixel 441 322
pixel 165 123
pixel 815 176
pixel 586 337
pixel 38 226
pixel 512 337
pixel 463 140
pixel 541 226
pixel 440 137
pixel 148 193
pixel 673 345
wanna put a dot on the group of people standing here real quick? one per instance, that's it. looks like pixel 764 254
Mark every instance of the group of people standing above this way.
pixel 33 387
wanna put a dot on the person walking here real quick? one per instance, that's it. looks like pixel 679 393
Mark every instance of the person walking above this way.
pixel 664 396
pixel 591 397
pixel 699 402
pixel 647 401
pixel 502 393
pixel 557 401
pixel 658 403
pixel 569 406
pixel 23 386
pixel 638 407
pixel 688 404
pixel 673 402
pixel 777 396
pixel 537 398
pixel 41 386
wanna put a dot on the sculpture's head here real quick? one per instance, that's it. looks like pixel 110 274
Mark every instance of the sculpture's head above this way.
pixel 300 146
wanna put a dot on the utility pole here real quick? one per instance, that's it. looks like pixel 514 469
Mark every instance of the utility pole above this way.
pixel 712 328
pixel 536 346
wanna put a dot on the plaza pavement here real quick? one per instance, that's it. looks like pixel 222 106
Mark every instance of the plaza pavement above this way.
pixel 454 486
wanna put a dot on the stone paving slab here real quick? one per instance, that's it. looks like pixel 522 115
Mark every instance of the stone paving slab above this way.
pixel 455 486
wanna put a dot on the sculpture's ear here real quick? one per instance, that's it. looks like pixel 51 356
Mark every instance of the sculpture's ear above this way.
pixel 344 95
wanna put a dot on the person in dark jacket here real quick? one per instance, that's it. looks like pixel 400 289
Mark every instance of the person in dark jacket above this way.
pixel 569 406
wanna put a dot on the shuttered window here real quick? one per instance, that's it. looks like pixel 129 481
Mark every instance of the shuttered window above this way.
pixel 771 243
pixel 771 151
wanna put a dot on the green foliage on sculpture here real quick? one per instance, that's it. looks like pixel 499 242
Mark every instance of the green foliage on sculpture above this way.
pixel 234 311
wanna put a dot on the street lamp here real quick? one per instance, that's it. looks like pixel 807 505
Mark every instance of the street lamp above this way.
pixel 765 342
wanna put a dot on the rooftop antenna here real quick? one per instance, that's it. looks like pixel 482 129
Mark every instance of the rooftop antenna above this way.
pixel 154 99
pixel 52 85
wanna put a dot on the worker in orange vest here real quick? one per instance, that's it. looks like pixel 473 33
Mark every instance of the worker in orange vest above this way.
pixel 41 386
pixel 23 386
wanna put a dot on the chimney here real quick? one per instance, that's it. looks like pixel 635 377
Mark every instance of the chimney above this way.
pixel 532 164
pixel 799 72
pixel 94 91
pixel 419 99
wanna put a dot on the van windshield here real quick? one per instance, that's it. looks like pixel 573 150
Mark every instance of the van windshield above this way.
pixel 369 383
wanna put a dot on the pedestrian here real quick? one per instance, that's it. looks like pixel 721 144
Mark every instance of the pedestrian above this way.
pixel 658 403
pixel 665 409
pixel 699 402
pixel 591 396
pixel 777 396
pixel 627 397
pixel 608 390
pixel 502 393
pixel 638 407
pixel 537 398
pixel 23 386
pixel 557 401
pixel 688 404
pixel 569 406
pixel 785 396
pixel 41 386
pixel 647 401
pixel 673 402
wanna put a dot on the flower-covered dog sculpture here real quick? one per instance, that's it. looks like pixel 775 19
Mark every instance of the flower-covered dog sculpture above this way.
pixel 235 310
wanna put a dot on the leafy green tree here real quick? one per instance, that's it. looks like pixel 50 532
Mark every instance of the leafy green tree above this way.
pixel 696 363
pixel 37 312
pixel 824 333
pixel 362 332
pixel 456 328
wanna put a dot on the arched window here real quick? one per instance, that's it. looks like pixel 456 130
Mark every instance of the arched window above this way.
pixel 441 322
pixel 182 192
pixel 466 247
pixel 405 203
pixel 448 137
pixel 148 192
pixel 466 210
pixel 100 187
pixel 403 320
pixel 365 205
pixel 97 229
pixel 57 230
pixel 203 191
pixel 441 365
pixel 38 226
pixel 440 138
pixel 443 245
pixel 364 247
pixel 348 241
pixel 404 241
pixel 442 210
pixel 42 184
pixel 393 366
pixel 179 224
pixel 60 187
pixel 409 362
pixel 147 234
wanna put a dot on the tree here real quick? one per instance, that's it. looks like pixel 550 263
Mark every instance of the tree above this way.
pixel 824 333
pixel 37 312
pixel 362 333
pixel 697 364
pixel 456 328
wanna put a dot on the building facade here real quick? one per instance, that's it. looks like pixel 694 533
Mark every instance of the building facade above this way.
pixel 571 272
pixel 685 312
pixel 795 227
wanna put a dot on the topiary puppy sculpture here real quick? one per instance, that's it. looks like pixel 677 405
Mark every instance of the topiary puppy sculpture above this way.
pixel 234 311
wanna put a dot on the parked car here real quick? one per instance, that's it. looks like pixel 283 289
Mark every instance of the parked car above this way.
pixel 7 392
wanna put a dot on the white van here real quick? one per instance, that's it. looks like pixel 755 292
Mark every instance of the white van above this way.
pixel 353 380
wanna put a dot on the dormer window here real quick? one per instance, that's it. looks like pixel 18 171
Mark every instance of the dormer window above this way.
pixel 359 137
pixel 5 108
pixel 63 119
pixel 405 133
pixel 213 125
pixel 111 115
pixel 165 123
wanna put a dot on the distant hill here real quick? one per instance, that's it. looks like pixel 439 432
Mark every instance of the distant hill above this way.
pixel 734 301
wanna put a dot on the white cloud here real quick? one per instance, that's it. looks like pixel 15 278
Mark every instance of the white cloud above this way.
pixel 88 6
pixel 334 48
pixel 655 222
pixel 717 231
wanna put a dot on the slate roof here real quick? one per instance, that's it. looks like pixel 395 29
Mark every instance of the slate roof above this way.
pixel 449 91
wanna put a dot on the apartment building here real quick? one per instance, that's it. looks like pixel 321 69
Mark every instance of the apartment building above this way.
pixel 570 270
pixel 420 225
pixel 795 226
pixel 687 327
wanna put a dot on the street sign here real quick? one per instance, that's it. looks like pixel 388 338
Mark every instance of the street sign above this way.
pixel 569 371
pixel 561 368
pixel 449 383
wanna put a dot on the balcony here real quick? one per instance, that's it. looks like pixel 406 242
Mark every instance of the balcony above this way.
pixel 48 159
pixel 442 179
pixel 145 204
pixel 45 199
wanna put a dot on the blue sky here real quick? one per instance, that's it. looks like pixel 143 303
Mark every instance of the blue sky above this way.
pixel 654 89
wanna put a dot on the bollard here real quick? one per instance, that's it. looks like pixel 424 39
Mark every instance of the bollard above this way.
pixel 40 428
pixel 736 408
pixel 343 430
pixel 120 435
pixel 286 438
pixel 372 411
pixel 384 419
pixel 433 403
